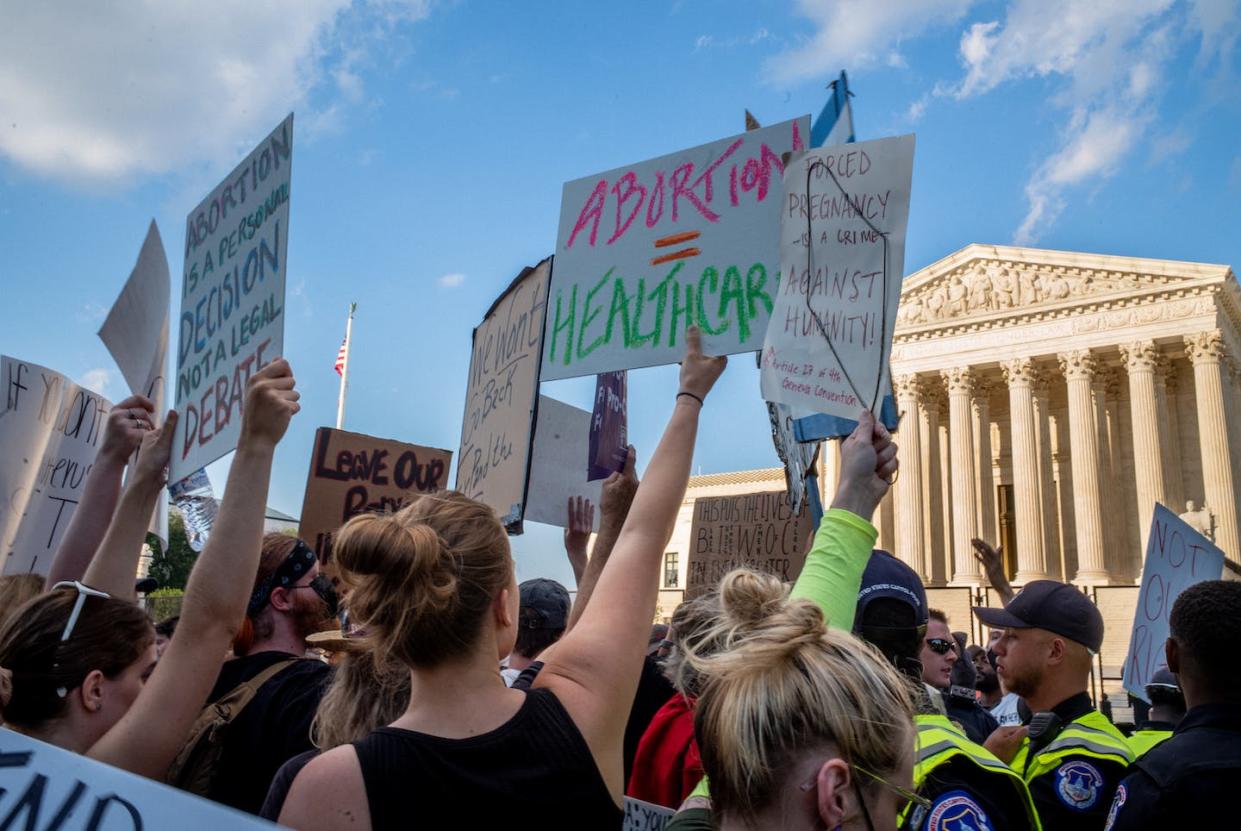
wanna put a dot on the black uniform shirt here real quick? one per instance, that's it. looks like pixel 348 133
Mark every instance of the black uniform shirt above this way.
pixel 965 797
pixel 1189 781
pixel 1076 794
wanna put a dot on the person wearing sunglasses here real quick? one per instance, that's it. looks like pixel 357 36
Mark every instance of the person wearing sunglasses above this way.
pixel 938 652
pixel 79 662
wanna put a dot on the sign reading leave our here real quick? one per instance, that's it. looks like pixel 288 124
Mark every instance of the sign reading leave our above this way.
pixel 351 474
pixel 1177 556
pixel 497 429
pixel 842 259
pixel 645 251
pixel 232 299
pixel 50 429
pixel 753 530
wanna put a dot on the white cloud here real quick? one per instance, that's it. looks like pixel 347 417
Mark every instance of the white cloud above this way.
pixel 855 33
pixel 104 92
pixel 451 281
pixel 97 379
pixel 91 313
pixel 1169 145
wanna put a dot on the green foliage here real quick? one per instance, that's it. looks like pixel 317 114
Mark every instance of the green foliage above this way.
pixel 164 603
pixel 171 567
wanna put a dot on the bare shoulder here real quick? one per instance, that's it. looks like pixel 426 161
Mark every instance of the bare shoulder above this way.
pixel 328 795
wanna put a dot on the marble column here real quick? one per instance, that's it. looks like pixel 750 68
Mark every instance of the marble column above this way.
pixel 885 523
pixel 1049 504
pixel 945 564
pixel 1079 370
pixel 910 506
pixel 1165 400
pixel 933 498
pixel 1113 538
pixel 1140 360
pixel 1019 374
pixel 960 383
pixel 1206 351
pixel 983 463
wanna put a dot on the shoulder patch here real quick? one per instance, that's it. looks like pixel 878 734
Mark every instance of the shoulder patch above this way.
pixel 1117 803
pixel 1078 784
pixel 956 811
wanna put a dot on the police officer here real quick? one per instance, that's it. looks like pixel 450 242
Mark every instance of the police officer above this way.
pixel 967 788
pixel 1190 780
pixel 1071 756
pixel 1167 710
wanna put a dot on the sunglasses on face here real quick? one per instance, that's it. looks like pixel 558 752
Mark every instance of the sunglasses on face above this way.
pixel 940 646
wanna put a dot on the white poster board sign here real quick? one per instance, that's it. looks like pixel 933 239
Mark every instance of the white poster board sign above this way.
pixel 1177 556
pixel 136 334
pixel 50 429
pixel 645 251
pixel 646 816
pixel 43 786
pixel 842 260
pixel 558 464
pixel 232 299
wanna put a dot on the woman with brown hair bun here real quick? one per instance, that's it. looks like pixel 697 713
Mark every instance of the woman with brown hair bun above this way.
pixel 434 586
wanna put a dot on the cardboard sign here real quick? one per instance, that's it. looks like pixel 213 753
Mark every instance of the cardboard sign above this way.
pixel 351 473
pixel 842 260
pixel 753 530
pixel 609 430
pixel 646 816
pixel 646 250
pixel 1177 556
pixel 557 469
pixel 44 786
pixel 232 299
pixel 498 427
pixel 50 429
pixel 136 334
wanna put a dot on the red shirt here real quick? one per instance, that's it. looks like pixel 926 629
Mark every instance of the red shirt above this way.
pixel 668 766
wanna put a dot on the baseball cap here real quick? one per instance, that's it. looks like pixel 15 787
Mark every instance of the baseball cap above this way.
pixel 1049 604
pixel 886 576
pixel 145 585
pixel 1164 677
pixel 548 600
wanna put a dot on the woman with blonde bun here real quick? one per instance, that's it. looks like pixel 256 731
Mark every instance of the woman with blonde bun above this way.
pixel 435 588
pixel 801 726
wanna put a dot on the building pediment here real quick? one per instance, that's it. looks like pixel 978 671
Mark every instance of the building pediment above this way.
pixel 1001 281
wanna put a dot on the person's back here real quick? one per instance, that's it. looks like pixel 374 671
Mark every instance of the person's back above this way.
pixel 1166 712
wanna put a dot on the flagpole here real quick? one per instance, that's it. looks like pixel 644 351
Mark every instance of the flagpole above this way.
pixel 344 371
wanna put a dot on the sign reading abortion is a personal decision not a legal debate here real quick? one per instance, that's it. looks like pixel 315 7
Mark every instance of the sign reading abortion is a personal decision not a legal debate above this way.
pixel 647 250
pixel 232 299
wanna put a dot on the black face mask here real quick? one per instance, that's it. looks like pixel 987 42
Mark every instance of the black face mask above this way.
pixel 323 587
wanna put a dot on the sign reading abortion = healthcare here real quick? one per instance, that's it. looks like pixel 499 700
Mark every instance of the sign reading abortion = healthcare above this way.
pixel 647 250
pixel 352 473
pixel 232 299
pixel 753 530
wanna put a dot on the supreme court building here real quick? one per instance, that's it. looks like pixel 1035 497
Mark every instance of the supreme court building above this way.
pixel 1049 399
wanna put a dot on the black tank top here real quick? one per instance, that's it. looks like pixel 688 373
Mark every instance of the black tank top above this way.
pixel 534 771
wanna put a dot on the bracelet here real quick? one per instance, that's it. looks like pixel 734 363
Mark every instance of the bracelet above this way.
pixel 701 403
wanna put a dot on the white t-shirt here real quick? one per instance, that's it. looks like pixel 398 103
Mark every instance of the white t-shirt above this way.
pixel 1005 712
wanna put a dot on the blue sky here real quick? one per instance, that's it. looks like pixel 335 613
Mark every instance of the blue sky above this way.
pixel 432 140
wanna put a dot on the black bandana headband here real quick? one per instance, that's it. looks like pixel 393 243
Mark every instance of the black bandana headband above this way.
pixel 300 560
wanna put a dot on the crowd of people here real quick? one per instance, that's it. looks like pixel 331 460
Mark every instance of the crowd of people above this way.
pixel 456 694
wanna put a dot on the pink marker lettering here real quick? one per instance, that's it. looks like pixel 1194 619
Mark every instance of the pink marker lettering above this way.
pixel 630 180
pixel 592 212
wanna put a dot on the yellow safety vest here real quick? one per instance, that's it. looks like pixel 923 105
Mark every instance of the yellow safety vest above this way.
pixel 939 741
pixel 1143 740
pixel 1091 735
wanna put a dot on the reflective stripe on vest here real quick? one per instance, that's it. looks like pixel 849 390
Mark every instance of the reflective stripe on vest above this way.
pixel 939 741
pixel 1090 735
pixel 1142 741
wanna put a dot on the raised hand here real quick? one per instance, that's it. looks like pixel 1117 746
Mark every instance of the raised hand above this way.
pixel 127 423
pixel 581 524
pixel 271 401
pixel 618 493
pixel 868 466
pixel 698 372
pixel 152 464
pixel 992 561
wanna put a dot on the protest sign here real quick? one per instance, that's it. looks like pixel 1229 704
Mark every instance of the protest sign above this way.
pixel 558 463
pixel 753 530
pixel 609 430
pixel 1177 556
pixel 797 458
pixel 351 473
pixel 136 334
pixel 50 430
pixel 842 258
pixel 232 299
pixel 41 783
pixel 645 816
pixel 497 430
pixel 646 250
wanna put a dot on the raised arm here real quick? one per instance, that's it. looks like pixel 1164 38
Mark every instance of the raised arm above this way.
pixel 992 561
pixel 595 667
pixel 618 493
pixel 149 736
pixel 127 423
pixel 577 535
pixel 114 565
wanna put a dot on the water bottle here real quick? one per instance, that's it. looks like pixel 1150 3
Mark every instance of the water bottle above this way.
pixel 196 502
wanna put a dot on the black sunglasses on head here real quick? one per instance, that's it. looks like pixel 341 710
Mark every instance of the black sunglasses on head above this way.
pixel 940 646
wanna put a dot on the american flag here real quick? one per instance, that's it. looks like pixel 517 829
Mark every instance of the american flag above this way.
pixel 342 356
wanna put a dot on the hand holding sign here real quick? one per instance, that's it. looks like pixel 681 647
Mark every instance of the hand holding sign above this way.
pixel 868 466
pixel 271 401
pixel 153 456
pixel 618 492
pixel 127 423
pixel 698 372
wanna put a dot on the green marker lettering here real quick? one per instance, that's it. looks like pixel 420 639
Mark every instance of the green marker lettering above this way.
pixel 755 281
pixel 708 274
pixel 588 316
pixel 620 305
pixel 568 324
pixel 679 311
pixel 660 295
pixel 733 292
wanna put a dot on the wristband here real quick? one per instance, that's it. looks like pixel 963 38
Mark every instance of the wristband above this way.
pixel 701 403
